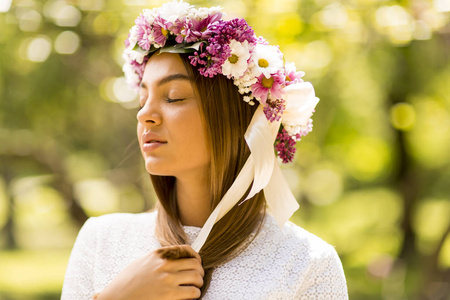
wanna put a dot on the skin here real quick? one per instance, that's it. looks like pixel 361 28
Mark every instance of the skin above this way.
pixel 183 154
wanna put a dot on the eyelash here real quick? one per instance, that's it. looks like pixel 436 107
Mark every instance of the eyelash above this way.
pixel 168 100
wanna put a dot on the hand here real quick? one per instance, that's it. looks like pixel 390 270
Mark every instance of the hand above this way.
pixel 173 272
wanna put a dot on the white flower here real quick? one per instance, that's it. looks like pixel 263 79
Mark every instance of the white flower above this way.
pixel 266 59
pixel 203 12
pixel 133 39
pixel 131 76
pixel 300 103
pixel 236 64
pixel 137 55
pixel 149 15
pixel 171 11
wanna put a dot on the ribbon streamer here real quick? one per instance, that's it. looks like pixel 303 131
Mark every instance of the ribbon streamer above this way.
pixel 262 168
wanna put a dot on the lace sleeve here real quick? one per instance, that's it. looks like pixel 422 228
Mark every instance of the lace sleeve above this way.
pixel 78 282
pixel 325 279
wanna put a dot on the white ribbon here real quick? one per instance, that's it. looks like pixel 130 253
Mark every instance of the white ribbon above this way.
pixel 262 168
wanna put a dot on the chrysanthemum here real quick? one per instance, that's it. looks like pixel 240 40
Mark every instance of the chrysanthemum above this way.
pixel 143 33
pixel 138 56
pixel 203 12
pixel 171 11
pixel 236 64
pixel 160 31
pixel 292 76
pixel 266 60
pixel 272 85
pixel 198 29
pixel 132 37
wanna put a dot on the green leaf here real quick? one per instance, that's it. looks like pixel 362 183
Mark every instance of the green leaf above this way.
pixel 173 49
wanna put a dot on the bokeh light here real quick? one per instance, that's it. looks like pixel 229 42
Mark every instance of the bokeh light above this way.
pixel 39 48
pixel 30 20
pixel 62 14
pixel 403 116
pixel 5 5
pixel 67 42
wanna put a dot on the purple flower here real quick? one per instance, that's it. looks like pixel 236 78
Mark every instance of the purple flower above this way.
pixel 218 49
pixel 285 146
pixel 273 109
pixel 272 85
pixel 161 30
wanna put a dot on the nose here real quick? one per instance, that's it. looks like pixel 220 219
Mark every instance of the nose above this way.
pixel 149 114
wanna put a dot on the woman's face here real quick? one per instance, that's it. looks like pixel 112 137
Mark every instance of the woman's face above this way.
pixel 170 130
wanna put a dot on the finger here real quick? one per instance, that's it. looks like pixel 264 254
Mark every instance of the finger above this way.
pixel 190 277
pixel 177 252
pixel 188 292
pixel 184 264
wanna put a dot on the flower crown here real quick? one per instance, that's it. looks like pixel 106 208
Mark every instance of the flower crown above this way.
pixel 228 48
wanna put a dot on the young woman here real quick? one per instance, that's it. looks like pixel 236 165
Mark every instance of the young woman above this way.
pixel 213 101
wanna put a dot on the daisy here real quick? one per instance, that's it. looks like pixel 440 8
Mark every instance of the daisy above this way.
pixel 272 85
pixel 266 60
pixel 292 76
pixel 236 64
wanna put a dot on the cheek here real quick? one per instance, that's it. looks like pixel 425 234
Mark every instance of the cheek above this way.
pixel 140 131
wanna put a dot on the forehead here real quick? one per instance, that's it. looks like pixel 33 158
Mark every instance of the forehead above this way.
pixel 162 65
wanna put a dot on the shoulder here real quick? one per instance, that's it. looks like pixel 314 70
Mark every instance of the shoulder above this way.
pixel 120 221
pixel 118 226
pixel 294 239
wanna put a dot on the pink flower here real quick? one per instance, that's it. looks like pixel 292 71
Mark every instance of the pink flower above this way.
pixel 264 86
pixel 292 76
pixel 199 28
pixel 161 30
pixel 178 28
pixel 143 33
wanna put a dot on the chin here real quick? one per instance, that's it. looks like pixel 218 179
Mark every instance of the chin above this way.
pixel 158 169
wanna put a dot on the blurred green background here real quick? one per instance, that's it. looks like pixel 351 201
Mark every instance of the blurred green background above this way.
pixel 373 178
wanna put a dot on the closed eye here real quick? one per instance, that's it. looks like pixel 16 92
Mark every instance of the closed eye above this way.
pixel 170 100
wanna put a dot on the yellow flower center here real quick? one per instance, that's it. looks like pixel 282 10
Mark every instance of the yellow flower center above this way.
pixel 267 82
pixel 263 63
pixel 288 78
pixel 233 58
pixel 165 32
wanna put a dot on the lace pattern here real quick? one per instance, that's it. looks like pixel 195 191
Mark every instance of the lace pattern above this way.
pixel 280 263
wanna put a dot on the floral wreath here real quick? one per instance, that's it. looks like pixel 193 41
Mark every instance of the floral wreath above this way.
pixel 228 48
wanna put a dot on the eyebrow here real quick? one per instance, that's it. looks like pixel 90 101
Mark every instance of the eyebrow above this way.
pixel 167 79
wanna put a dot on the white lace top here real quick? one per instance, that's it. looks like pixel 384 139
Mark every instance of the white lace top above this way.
pixel 280 263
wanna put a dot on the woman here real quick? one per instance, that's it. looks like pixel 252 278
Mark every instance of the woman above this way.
pixel 213 100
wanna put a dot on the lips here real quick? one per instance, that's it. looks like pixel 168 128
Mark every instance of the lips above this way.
pixel 152 141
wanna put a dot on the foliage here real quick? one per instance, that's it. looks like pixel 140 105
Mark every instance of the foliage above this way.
pixel 373 179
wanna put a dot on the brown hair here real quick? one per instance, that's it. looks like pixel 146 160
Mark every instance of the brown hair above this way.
pixel 227 117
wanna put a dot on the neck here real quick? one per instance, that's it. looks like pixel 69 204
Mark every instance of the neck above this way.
pixel 193 199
